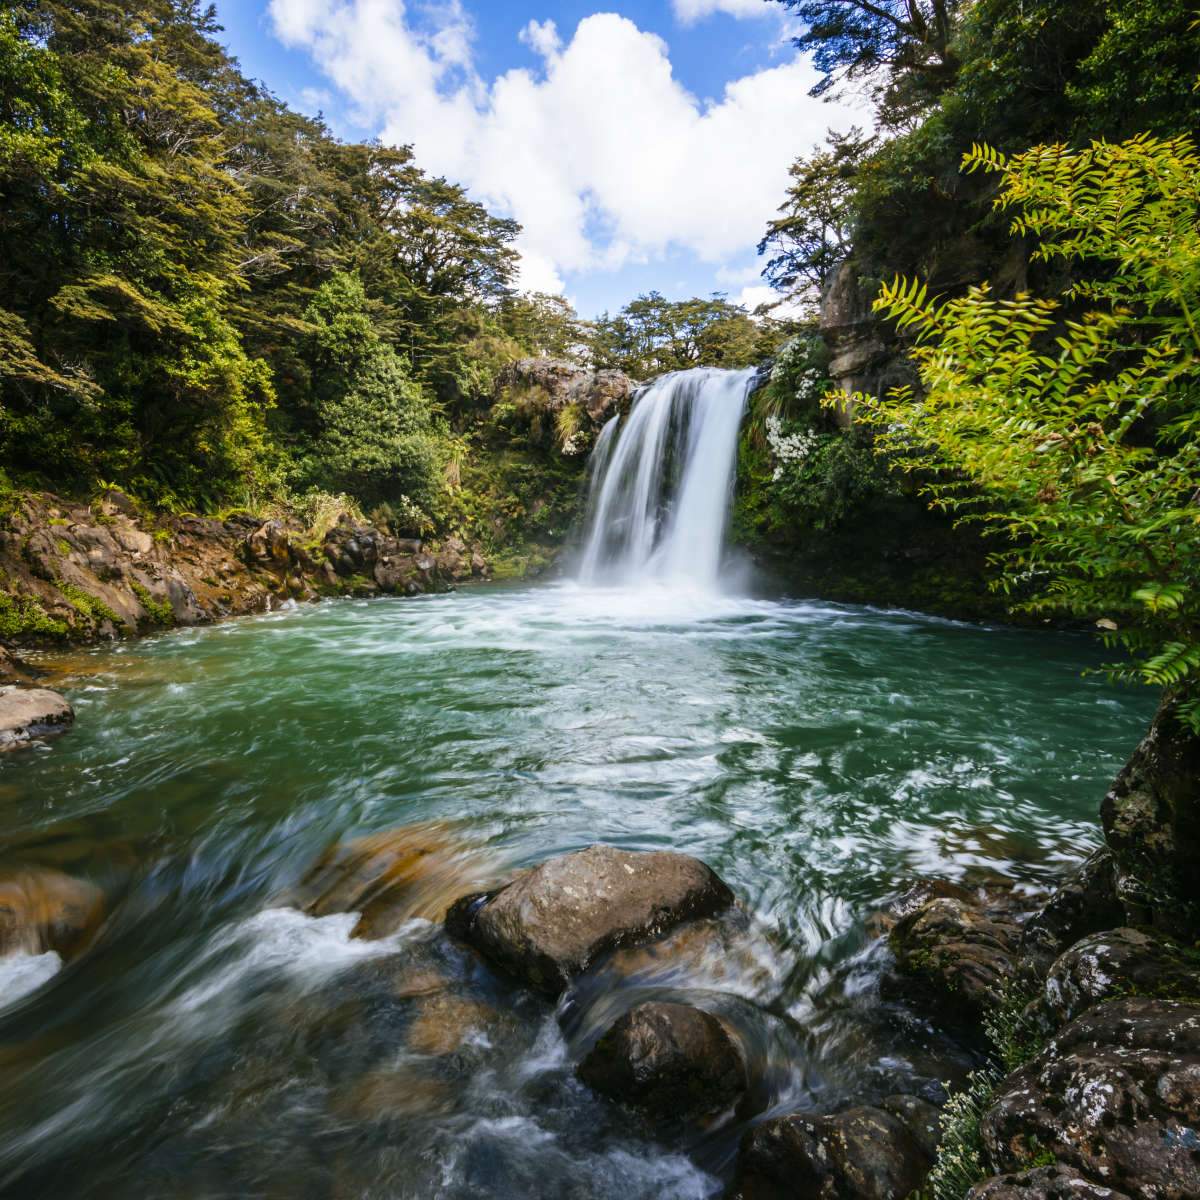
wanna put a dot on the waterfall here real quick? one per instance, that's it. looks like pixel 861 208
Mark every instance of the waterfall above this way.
pixel 662 482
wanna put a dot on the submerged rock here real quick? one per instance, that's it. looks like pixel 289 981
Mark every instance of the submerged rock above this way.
pixel 27 713
pixel 859 1154
pixel 1115 1096
pixel 670 1060
pixel 552 922
pixel 43 910
pixel 392 877
pixel 961 953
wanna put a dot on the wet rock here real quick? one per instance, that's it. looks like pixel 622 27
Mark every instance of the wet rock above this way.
pixel 1118 962
pixel 552 922
pixel 859 1154
pixel 1152 825
pixel 444 1022
pixel 962 954
pixel 922 1119
pixel 1085 903
pixel 43 910
pixel 392 877
pixel 269 543
pixel 14 669
pixel 912 900
pixel 1044 1183
pixel 670 1060
pixel 27 713
pixel 1115 1095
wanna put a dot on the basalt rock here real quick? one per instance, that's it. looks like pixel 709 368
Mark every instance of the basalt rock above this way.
pixel 28 713
pixel 552 922
pixel 1152 825
pixel 1115 1096
pixel 1044 1183
pixel 1118 962
pixel 43 910
pixel 961 954
pixel 859 1154
pixel 1086 902
pixel 670 1060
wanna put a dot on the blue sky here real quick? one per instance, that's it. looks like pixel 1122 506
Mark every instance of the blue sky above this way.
pixel 641 145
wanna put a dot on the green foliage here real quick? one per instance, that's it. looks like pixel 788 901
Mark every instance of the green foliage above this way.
pixel 160 612
pixel 24 617
pixel 91 607
pixel 960 1162
pixel 1072 425
pixel 652 335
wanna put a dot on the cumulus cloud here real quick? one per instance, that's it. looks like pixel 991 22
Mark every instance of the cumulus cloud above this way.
pixel 600 153
pixel 689 11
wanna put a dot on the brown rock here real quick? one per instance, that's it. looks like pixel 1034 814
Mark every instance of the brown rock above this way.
pixel 44 910
pixel 670 1060
pixel 27 713
pixel 1044 1183
pixel 551 923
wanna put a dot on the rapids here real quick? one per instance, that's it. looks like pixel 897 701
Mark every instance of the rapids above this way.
pixel 214 1042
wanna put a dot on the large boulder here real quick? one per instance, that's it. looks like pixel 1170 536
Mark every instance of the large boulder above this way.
pixel 1086 902
pixel 670 1060
pixel 27 713
pixel 962 954
pixel 552 922
pixel 860 1154
pixel 1118 962
pixel 1044 1183
pixel 43 910
pixel 1152 825
pixel 1114 1096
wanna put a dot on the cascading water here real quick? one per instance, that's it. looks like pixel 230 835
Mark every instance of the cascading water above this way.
pixel 662 483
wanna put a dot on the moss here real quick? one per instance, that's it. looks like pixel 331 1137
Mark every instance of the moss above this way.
pixel 162 535
pixel 24 617
pixel 92 607
pixel 59 521
pixel 64 548
pixel 159 611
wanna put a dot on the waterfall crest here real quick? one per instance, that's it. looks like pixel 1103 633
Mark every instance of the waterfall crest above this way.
pixel 662 482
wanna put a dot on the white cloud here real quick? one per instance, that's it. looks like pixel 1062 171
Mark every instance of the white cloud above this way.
pixel 751 297
pixel 601 154
pixel 690 11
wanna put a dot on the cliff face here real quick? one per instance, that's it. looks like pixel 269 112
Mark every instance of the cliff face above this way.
pixel 71 571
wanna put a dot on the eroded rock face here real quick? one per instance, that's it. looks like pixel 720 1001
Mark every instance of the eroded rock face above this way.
pixel 670 1060
pixel 1118 962
pixel 28 713
pixel 1114 1096
pixel 961 953
pixel 1085 903
pixel 1152 825
pixel 552 922
pixel 859 1154
pixel 1044 1183
pixel 43 910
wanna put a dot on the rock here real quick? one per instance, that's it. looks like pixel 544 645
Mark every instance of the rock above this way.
pixel 1151 820
pixel 670 1060
pixel 14 669
pixel 1118 962
pixel 27 713
pixel 444 1022
pixel 1044 1183
pixel 43 910
pixel 958 952
pixel 1115 1095
pixel 912 900
pixel 269 543
pixel 392 877
pixel 552 922
pixel 922 1119
pixel 859 1154
pixel 1086 902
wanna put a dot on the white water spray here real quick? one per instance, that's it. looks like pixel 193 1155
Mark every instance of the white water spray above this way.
pixel 662 483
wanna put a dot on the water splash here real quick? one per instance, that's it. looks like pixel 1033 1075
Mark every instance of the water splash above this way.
pixel 662 484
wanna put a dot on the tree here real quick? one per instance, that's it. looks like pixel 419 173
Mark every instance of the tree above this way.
pixel 1072 424
pixel 909 42
pixel 371 433
pixel 812 234
pixel 652 335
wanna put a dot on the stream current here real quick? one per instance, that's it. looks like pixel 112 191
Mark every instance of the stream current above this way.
pixel 215 1042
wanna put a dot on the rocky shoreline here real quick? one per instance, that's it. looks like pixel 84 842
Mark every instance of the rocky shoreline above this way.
pixel 1081 1008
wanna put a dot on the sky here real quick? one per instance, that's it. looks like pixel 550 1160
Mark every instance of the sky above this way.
pixel 642 144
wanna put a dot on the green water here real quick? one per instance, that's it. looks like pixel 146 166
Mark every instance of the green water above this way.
pixel 817 756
